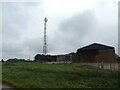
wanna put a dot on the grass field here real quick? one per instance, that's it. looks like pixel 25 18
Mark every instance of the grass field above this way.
pixel 37 75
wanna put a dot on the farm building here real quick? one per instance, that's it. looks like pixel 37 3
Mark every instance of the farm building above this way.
pixel 94 53
pixel 63 58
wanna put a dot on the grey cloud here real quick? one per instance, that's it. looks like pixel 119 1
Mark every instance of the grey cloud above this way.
pixel 14 13
pixel 72 32
pixel 21 27
pixel 11 50
pixel 15 19
pixel 119 28
pixel 80 23
pixel 81 29
pixel 0 30
pixel 34 45
pixel 24 49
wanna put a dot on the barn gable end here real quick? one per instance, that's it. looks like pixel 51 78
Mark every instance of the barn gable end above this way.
pixel 94 53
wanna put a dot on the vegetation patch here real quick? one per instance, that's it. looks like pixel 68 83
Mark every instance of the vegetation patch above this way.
pixel 37 75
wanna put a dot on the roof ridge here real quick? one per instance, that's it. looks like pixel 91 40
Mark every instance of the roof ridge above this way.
pixel 96 46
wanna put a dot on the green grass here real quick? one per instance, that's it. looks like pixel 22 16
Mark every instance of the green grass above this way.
pixel 37 75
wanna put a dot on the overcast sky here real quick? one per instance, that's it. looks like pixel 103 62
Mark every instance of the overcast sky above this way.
pixel 71 24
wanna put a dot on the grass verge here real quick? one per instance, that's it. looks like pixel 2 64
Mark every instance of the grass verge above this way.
pixel 37 75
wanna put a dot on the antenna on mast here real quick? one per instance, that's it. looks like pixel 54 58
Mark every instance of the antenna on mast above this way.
pixel 45 38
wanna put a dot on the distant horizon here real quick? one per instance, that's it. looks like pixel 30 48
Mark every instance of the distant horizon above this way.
pixel 58 54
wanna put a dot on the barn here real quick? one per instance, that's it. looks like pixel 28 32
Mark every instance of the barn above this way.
pixel 66 57
pixel 94 53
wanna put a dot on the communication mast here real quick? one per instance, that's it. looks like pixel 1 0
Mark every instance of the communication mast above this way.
pixel 44 40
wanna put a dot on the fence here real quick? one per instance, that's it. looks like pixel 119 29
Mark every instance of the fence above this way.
pixel 110 66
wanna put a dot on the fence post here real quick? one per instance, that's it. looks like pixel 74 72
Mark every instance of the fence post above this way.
pixel 110 67
pixel 98 65
pixel 113 66
pixel 102 66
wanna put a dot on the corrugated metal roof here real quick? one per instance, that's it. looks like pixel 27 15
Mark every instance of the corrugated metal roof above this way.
pixel 95 46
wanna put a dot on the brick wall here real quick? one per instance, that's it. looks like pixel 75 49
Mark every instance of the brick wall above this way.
pixel 106 56
pixel 102 56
